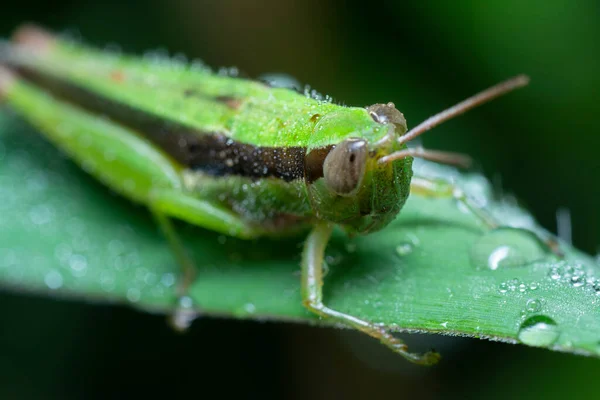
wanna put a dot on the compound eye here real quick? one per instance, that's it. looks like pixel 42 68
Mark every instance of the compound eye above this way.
pixel 388 114
pixel 344 166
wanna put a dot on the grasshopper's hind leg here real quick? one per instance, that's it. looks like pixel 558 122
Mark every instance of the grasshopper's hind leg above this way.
pixel 312 298
pixel 166 204
pixel 440 188
pixel 183 315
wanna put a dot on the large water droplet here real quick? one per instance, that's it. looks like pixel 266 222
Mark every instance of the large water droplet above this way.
pixel 507 247
pixel 539 331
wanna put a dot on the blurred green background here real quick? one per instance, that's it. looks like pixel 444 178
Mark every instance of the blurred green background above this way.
pixel 540 143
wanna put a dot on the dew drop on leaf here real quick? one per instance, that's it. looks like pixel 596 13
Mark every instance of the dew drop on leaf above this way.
pixel 186 302
pixel 53 279
pixel 506 247
pixel 133 295
pixel 404 249
pixel 249 308
pixel 533 305
pixel 539 330
pixel 503 287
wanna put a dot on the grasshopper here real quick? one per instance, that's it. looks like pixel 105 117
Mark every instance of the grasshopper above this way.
pixel 235 156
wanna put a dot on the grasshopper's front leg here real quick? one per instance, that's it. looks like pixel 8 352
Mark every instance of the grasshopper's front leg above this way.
pixel 173 203
pixel 440 188
pixel 312 297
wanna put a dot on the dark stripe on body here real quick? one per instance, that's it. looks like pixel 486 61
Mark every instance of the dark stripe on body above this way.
pixel 211 152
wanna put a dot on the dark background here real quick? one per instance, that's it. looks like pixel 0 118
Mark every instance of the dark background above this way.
pixel 540 143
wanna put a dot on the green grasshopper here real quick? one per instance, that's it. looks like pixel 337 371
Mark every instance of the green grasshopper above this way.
pixel 235 156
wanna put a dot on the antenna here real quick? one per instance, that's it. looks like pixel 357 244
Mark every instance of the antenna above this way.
pixel 480 98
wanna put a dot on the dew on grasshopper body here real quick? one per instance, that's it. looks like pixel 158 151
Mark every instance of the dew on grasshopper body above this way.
pixel 506 247
pixel 539 330
pixel 281 81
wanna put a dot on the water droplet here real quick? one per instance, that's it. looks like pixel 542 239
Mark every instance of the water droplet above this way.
pixel 150 278
pixel 40 215
pixel 334 257
pixel 107 280
pixel 503 287
pixel 533 305
pixel 404 249
pixel 133 295
pixel 78 264
pixel 407 246
pixel 279 80
pixel 38 182
pixel 539 331
pixel 116 247
pixel 512 284
pixel 507 247
pixel 63 252
pixel 578 280
pixel 498 254
pixel 555 273
pixel 53 279
pixel 168 279
pixel 249 308
pixel 186 302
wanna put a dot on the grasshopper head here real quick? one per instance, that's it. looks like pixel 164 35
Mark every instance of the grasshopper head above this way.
pixel 352 188
pixel 362 180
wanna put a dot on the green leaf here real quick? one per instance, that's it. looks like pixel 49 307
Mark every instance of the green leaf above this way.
pixel 435 269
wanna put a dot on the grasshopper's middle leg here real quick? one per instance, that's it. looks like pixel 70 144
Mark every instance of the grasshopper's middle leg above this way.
pixel 312 298
pixel 440 188
pixel 169 203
